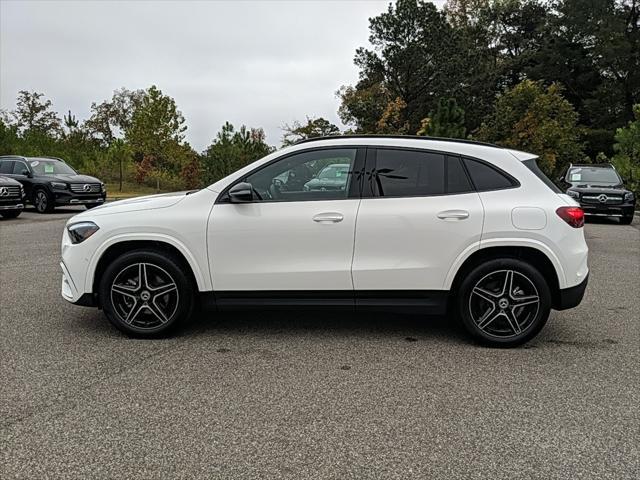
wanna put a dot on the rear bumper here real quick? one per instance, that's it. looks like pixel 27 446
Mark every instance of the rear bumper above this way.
pixel 572 296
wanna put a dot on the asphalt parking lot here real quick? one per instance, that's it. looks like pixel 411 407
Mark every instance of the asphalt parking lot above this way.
pixel 309 395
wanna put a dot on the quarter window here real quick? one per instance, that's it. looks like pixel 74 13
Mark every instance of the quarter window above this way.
pixel 485 177
pixel 406 173
pixel 311 175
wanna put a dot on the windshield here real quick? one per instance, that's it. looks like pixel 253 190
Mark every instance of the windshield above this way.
pixel 334 171
pixel 605 176
pixel 51 167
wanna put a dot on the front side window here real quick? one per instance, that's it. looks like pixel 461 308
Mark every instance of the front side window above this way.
pixel 19 168
pixel 51 167
pixel 312 175
pixel 406 173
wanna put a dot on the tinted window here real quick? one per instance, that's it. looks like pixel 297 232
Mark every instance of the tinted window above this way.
pixel 533 166
pixel 485 177
pixel 19 168
pixel 457 180
pixel 6 166
pixel 312 175
pixel 406 173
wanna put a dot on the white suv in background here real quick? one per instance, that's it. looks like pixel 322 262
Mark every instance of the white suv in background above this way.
pixel 413 223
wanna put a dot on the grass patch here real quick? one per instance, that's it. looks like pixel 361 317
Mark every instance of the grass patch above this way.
pixel 129 190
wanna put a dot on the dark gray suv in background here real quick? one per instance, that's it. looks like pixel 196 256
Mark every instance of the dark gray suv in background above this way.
pixel 49 182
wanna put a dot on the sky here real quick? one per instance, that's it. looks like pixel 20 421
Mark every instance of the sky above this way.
pixel 259 63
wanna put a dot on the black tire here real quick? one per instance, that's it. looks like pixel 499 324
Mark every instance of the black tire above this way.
pixel 626 220
pixel 11 213
pixel 485 288
pixel 43 201
pixel 128 297
pixel 91 205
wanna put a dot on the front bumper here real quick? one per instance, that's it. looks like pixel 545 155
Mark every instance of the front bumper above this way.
pixel 623 210
pixel 12 206
pixel 70 292
pixel 572 296
pixel 69 198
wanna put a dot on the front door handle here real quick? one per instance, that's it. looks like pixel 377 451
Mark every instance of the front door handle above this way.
pixel 328 217
pixel 453 215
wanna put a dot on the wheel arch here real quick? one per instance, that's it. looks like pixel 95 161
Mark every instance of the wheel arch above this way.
pixel 548 265
pixel 119 245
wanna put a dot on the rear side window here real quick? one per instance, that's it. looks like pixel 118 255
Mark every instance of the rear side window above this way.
pixel 485 177
pixel 535 169
pixel 457 179
pixel 6 166
pixel 407 173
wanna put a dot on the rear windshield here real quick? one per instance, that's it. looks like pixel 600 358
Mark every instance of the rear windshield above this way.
pixel 533 166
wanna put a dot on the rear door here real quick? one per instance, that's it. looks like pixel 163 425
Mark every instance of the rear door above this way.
pixel 418 214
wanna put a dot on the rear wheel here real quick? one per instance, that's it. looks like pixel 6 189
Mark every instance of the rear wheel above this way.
pixel 11 213
pixel 43 201
pixel 504 302
pixel 146 293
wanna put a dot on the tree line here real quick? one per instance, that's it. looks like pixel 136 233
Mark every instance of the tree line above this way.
pixel 558 78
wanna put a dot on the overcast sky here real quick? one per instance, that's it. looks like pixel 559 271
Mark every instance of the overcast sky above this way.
pixel 261 63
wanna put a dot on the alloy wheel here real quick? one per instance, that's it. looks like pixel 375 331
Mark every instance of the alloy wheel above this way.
pixel 144 296
pixel 41 201
pixel 504 303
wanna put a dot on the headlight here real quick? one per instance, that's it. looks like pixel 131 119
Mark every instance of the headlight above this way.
pixel 629 196
pixel 80 231
pixel 573 194
pixel 58 185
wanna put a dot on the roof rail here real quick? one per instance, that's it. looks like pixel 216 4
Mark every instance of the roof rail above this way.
pixel 407 137
pixel 50 158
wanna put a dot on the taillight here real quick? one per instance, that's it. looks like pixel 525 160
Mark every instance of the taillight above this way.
pixel 574 216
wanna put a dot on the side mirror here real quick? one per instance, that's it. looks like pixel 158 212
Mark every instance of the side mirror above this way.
pixel 241 193
pixel 26 173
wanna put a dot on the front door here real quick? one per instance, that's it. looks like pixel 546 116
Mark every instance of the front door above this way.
pixel 296 235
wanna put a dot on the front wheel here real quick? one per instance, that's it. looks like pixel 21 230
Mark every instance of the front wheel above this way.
pixel 504 302
pixel 146 293
pixel 11 213
pixel 43 201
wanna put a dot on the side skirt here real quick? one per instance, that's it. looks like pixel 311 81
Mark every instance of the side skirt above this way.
pixel 432 302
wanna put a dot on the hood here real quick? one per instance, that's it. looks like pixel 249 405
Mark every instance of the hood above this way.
pixel 606 189
pixel 72 178
pixel 8 181
pixel 148 202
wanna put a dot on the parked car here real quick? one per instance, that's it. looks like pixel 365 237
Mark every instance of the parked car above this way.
pixel 600 191
pixel 331 177
pixel 49 182
pixel 424 225
pixel 11 197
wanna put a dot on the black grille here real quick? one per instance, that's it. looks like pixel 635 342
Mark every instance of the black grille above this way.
pixel 85 187
pixel 10 191
pixel 608 199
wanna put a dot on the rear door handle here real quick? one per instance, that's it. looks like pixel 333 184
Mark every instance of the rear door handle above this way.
pixel 328 217
pixel 453 215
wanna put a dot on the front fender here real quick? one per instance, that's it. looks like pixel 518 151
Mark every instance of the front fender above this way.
pixel 203 281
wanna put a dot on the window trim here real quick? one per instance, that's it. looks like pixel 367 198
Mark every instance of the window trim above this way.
pixel 355 187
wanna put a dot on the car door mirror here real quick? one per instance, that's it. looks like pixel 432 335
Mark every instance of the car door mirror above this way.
pixel 26 173
pixel 241 193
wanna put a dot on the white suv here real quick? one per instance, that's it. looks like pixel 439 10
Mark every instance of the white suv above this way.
pixel 413 223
